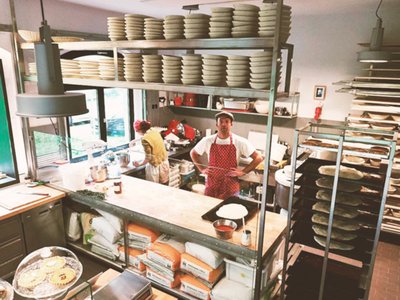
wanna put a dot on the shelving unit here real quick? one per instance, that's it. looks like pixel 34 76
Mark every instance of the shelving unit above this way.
pixel 349 248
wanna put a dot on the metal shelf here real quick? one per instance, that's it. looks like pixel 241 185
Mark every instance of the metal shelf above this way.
pixel 369 120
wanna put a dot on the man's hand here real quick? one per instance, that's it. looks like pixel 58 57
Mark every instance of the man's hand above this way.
pixel 136 164
pixel 235 173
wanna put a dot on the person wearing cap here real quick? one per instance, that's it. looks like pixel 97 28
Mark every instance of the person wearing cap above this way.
pixel 156 159
pixel 224 150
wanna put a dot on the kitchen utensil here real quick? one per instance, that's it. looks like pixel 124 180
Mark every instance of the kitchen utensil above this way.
pixel 123 158
pixel 224 228
pixel 261 106
pixel 98 173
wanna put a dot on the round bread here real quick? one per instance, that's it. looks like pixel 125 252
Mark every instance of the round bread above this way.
pixel 63 276
pixel 31 278
pixel 51 264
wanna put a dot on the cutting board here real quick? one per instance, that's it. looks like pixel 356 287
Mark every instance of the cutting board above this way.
pixel 13 198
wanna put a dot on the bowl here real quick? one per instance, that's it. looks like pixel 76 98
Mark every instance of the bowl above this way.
pixel 224 228
pixel 29 36
pixel 261 107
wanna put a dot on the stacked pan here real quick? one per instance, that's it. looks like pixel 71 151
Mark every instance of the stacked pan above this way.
pixel 152 68
pixel 133 66
pixel 196 26
pixel 173 27
pixel 107 69
pixel 171 69
pixel 260 70
pixel 214 70
pixel 191 69
pixel 116 28
pixel 89 69
pixel 70 68
pixel 134 26
pixel 153 29
pixel 245 20
pixel 221 22
pixel 238 71
pixel 267 21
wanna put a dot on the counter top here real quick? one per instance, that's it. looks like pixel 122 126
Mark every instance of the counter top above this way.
pixel 15 189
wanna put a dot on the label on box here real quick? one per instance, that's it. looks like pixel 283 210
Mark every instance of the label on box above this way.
pixel 194 291
pixel 194 269
pixel 159 259
pixel 138 236
pixel 158 278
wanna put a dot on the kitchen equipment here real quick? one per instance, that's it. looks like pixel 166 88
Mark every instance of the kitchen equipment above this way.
pixel 230 103
pixel 7 292
pixel 198 188
pixel 190 99
pixel 98 173
pixel 224 228
pixel 73 176
pixel 124 159
pixel 261 106
pixel 246 238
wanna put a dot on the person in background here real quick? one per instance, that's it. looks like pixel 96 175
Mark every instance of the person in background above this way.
pixel 224 150
pixel 156 159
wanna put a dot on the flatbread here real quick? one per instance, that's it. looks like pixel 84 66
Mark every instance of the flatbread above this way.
pixel 336 234
pixel 344 172
pixel 63 276
pixel 31 278
pixel 334 245
pixel 51 264
pixel 342 198
pixel 349 187
pixel 345 212
pixel 232 211
pixel 322 219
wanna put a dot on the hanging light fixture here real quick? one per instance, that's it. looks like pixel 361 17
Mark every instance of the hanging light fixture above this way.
pixel 375 54
pixel 51 101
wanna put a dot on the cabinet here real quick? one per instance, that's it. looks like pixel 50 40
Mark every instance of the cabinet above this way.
pixel 335 212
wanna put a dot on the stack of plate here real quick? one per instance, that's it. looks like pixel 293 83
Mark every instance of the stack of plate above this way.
pixel 171 69
pixel 70 68
pixel 173 27
pixel 89 69
pixel 116 28
pixel 152 65
pixel 267 21
pixel 134 26
pixel 133 66
pixel 221 22
pixel 196 26
pixel 238 71
pixel 191 69
pixel 260 70
pixel 153 29
pixel 214 70
pixel 32 68
pixel 245 20
pixel 107 68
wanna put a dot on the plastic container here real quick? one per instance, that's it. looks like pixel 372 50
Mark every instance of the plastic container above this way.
pixel 243 274
pixel 74 176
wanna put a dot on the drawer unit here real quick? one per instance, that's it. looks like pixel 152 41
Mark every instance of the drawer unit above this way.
pixel 7 268
pixel 10 229
pixel 11 250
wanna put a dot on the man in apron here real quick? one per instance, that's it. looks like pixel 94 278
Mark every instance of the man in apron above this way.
pixel 224 150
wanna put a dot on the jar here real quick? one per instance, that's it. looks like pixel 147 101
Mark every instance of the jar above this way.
pixel 117 187
pixel 246 238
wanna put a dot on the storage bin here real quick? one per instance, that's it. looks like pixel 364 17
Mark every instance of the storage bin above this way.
pixel 243 274
pixel 236 104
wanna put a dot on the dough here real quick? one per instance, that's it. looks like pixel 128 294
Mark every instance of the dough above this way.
pixel 339 224
pixel 336 234
pixel 345 172
pixel 232 211
pixel 327 183
pixel 63 276
pixel 51 264
pixel 343 198
pixel 31 278
pixel 345 212
pixel 333 245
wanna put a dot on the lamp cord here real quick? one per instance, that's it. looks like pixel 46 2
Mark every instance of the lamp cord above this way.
pixel 42 9
pixel 377 9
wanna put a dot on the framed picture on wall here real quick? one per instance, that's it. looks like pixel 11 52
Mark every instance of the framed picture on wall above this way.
pixel 319 92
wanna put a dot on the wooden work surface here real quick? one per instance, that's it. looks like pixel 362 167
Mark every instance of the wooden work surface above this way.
pixel 12 193
pixel 184 209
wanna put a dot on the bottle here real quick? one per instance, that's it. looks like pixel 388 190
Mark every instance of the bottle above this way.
pixel 117 187
pixel 246 238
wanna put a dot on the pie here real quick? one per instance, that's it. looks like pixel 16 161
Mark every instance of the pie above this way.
pixel 327 183
pixel 51 264
pixel 345 212
pixel 31 278
pixel 344 172
pixel 334 245
pixel 63 276
pixel 336 234
pixel 342 198
pixel 339 224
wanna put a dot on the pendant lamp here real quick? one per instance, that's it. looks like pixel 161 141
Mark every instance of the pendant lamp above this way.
pixel 51 101
pixel 375 54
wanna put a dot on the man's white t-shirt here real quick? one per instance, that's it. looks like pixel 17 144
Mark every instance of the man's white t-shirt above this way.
pixel 243 146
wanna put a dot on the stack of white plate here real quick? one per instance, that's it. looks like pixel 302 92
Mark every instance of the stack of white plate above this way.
pixel 245 20
pixel 171 69
pixel 197 26
pixel 267 21
pixel 107 68
pixel 116 28
pixel 173 27
pixel 152 66
pixel 32 68
pixel 221 22
pixel 133 67
pixel 89 69
pixel 70 68
pixel 214 70
pixel 191 69
pixel 153 29
pixel 260 70
pixel 238 71
pixel 134 26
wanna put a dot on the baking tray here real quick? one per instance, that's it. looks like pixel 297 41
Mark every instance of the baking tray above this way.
pixel 252 208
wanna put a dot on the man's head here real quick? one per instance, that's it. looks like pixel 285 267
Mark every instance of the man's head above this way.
pixel 224 123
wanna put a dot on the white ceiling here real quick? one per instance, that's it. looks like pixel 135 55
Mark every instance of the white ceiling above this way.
pixel 161 8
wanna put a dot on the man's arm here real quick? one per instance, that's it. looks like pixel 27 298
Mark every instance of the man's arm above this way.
pixel 257 158
pixel 196 160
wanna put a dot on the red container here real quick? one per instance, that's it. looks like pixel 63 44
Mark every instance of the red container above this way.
pixel 178 101
pixel 190 99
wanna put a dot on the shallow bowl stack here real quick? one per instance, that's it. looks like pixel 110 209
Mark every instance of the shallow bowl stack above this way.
pixel 260 70
pixel 116 28
pixel 134 26
pixel 171 69
pixel 173 27
pixel 214 70
pixel 191 69
pixel 107 68
pixel 152 66
pixel 153 29
pixel 89 69
pixel 221 22
pixel 133 67
pixel 70 68
pixel 267 21
pixel 245 20
pixel 238 71
pixel 196 26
